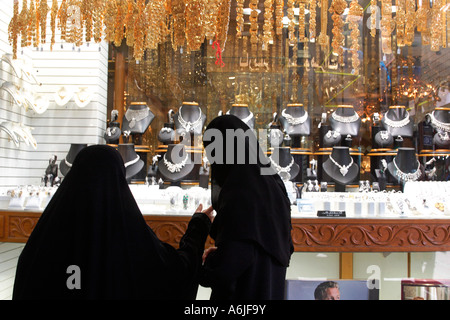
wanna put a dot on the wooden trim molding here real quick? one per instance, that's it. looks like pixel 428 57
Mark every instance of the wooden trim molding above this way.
pixel 308 234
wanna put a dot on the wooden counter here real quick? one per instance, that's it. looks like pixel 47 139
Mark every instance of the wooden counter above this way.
pixel 308 234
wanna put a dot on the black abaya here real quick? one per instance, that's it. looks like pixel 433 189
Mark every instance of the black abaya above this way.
pixel 94 223
pixel 252 228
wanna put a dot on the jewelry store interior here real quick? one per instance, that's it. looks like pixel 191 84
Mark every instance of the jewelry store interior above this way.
pixel 349 99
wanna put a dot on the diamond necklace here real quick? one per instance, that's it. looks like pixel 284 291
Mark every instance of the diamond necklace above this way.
pixel 131 162
pixel 134 116
pixel 396 123
pixel 292 120
pixel 408 176
pixel 348 119
pixel 342 168
pixel 281 169
pixel 439 124
pixel 175 167
pixel 189 126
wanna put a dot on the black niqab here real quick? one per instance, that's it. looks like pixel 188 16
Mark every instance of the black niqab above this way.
pixel 250 206
pixel 93 222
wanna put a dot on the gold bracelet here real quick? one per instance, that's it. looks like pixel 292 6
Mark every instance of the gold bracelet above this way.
pixel 239 17
pixel 195 33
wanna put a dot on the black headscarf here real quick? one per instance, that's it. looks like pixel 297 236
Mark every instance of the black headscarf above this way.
pixel 94 223
pixel 250 206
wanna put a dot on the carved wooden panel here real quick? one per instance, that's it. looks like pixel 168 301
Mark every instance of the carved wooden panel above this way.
pixel 308 234
pixel 20 227
pixel 352 235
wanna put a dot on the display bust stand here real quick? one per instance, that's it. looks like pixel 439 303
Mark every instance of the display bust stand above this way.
pixel 398 122
pixel 132 161
pixel 405 166
pixel 243 112
pixel 296 123
pixel 189 122
pixel 341 168
pixel 345 120
pixel 66 164
pixel 283 163
pixel 176 164
pixel 137 119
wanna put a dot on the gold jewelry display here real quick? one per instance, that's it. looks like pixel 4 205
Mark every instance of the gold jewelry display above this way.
pixel 410 22
pixel 13 29
pixel 62 19
pixel 337 9
pixel 400 20
pixel 312 19
pixel 323 40
pixel 301 20
pixel 223 21
pixel 373 17
pixel 210 23
pixel 387 26
pixel 355 15
pixel 291 25
pixel 98 17
pixel 195 33
pixel 254 26
pixel 279 4
pixel 268 24
pixel 239 17
pixel 53 15
pixel 138 30
pixel 437 28
pixel 43 12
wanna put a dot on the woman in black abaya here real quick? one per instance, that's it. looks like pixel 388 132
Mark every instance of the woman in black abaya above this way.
pixel 92 242
pixel 252 228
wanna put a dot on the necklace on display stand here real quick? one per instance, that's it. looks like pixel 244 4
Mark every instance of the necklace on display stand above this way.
pixel 283 171
pixel 345 119
pixel 246 119
pixel 292 120
pixel 187 125
pixel 439 124
pixel 405 177
pixel 175 167
pixel 131 162
pixel 397 123
pixel 342 168
pixel 134 116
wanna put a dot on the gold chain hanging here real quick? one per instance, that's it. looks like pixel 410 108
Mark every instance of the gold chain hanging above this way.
pixel 355 15
pixel 195 31
pixel 13 29
pixel 312 19
pixel 387 26
pixel 291 25
pixel 337 9
pixel 323 40
pixel 400 19
pixel 301 21
pixel 268 25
